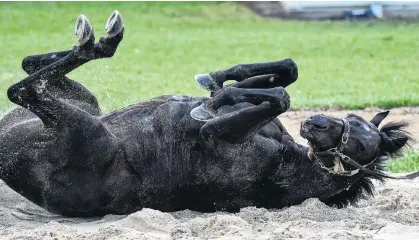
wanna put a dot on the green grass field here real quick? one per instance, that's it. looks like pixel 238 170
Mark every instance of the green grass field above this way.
pixel 350 65
pixel 410 162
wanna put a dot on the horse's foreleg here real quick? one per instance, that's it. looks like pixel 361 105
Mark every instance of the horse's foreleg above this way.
pixel 260 82
pixel 237 126
pixel 286 71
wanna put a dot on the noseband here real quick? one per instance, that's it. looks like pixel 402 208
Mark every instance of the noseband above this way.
pixel 337 153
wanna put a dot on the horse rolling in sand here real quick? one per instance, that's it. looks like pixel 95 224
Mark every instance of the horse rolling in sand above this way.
pixel 171 153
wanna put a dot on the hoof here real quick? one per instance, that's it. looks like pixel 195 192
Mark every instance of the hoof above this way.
pixel 83 30
pixel 114 25
pixel 207 82
pixel 201 114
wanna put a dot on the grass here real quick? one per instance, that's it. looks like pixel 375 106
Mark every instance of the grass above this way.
pixel 410 162
pixel 349 65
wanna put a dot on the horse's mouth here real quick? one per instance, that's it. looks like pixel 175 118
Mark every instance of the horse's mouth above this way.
pixel 305 131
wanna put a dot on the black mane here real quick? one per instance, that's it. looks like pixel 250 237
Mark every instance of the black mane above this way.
pixel 361 189
pixel 395 130
pixel 364 187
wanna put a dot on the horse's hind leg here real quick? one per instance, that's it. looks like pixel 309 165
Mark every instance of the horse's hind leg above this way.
pixel 62 87
pixel 286 72
pixel 32 92
pixel 105 48
pixel 237 126
pixel 65 88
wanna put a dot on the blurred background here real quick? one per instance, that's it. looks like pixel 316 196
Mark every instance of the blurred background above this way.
pixel 336 10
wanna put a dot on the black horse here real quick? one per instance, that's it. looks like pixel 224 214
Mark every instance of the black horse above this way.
pixel 178 152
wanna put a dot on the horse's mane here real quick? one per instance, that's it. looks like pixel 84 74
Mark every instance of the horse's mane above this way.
pixel 364 187
pixel 395 131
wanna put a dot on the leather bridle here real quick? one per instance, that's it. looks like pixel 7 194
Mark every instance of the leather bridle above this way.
pixel 337 153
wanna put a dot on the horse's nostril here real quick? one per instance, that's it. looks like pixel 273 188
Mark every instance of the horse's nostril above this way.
pixel 319 126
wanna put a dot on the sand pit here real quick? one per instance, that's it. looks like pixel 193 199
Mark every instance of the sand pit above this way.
pixel 392 214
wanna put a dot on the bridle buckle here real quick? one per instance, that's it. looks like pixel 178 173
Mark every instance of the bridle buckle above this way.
pixel 345 137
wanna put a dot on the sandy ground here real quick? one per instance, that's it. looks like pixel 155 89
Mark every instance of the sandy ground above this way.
pixel 392 214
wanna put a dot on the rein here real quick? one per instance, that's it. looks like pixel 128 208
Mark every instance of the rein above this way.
pixel 337 153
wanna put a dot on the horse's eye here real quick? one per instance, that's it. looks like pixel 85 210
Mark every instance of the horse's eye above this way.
pixel 361 147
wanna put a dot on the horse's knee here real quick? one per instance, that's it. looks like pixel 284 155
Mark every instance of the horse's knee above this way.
pixel 19 94
pixel 16 94
pixel 290 72
pixel 281 99
pixel 13 93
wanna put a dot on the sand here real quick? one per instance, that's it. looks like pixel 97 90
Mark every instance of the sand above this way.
pixel 392 214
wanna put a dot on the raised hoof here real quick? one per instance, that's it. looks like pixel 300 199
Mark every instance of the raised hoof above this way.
pixel 201 114
pixel 114 25
pixel 207 82
pixel 83 30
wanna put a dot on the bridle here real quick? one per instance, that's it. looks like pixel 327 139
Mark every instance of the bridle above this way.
pixel 339 156
pixel 337 153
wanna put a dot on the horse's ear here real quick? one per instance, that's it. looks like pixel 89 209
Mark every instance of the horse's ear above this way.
pixel 377 119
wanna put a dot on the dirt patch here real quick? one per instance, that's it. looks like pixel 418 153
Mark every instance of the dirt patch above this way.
pixel 292 119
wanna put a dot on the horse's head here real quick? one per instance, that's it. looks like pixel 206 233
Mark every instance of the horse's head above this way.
pixel 353 139
pixel 354 149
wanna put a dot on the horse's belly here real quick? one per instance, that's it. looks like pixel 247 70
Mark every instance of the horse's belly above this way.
pixel 73 193
pixel 208 197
